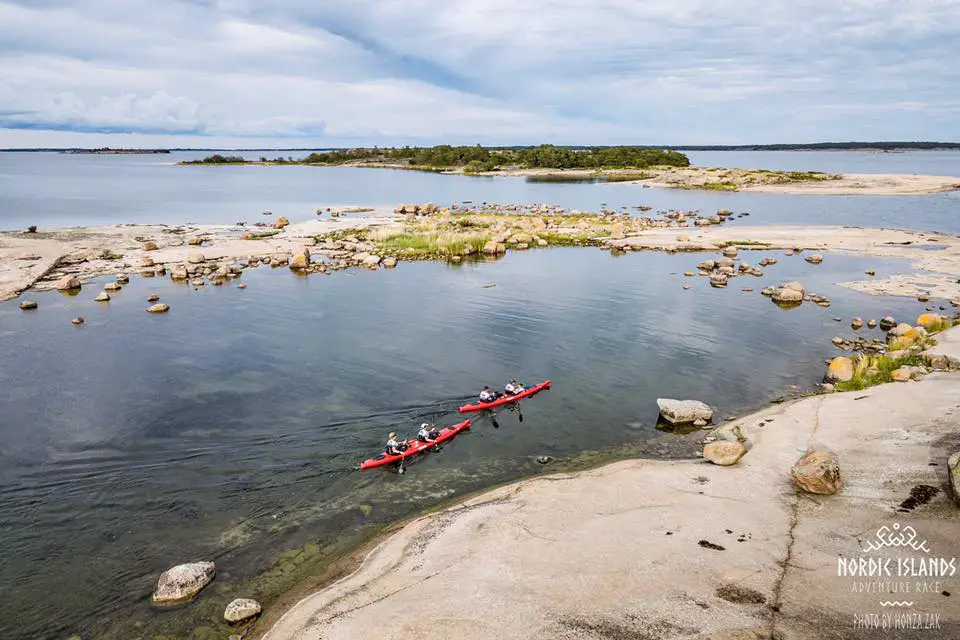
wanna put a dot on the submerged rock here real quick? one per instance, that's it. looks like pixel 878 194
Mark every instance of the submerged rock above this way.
pixel 241 609
pixel 28 304
pixel 183 582
pixel 683 411
pixel 818 472
pixel 724 453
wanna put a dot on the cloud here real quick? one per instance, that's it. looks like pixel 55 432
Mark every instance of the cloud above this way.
pixel 498 72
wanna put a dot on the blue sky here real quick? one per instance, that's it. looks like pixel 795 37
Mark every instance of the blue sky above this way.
pixel 297 73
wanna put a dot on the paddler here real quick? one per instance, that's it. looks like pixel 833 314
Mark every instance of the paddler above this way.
pixel 487 394
pixel 427 433
pixel 394 447
pixel 513 387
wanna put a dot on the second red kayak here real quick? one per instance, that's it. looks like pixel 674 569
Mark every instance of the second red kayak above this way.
pixel 506 399
pixel 414 447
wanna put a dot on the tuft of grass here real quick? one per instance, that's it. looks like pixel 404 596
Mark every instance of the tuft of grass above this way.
pixel 715 186
pixel 435 243
pixel 870 371
pixel 744 243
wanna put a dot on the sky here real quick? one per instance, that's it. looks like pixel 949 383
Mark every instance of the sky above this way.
pixel 309 73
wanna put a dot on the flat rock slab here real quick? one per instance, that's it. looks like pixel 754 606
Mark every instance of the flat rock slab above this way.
pixel 669 549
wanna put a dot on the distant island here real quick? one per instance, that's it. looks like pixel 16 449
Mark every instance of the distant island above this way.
pixel 106 151
pixel 477 159
pixel 827 146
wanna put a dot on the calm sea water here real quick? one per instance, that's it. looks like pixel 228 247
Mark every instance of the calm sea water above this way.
pixel 227 428
pixel 62 190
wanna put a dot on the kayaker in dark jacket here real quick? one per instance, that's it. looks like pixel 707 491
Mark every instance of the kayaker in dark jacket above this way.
pixel 427 433
pixel 513 387
pixel 487 394
pixel 394 447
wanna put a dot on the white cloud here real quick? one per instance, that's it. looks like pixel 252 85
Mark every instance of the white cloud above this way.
pixel 369 72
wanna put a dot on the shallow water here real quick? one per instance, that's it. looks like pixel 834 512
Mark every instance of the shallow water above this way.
pixel 51 190
pixel 228 427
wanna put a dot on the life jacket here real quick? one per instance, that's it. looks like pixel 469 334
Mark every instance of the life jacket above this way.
pixel 486 396
pixel 392 445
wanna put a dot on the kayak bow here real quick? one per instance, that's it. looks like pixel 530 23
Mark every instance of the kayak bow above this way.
pixel 507 399
pixel 414 447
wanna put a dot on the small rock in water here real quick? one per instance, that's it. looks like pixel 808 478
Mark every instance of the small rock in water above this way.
pixel 923 298
pixel 182 582
pixel 887 323
pixel 28 304
pixel 871 324
pixel 837 319
pixel 241 286
pixel 241 609
pixel 871 272
pixel 112 286
pixel 122 278
pixel 699 422
pixel 544 459
pixel 688 286
pixel 683 411
pixel 69 283
pixel 153 298
pixel 856 323
pixel 159 308
pixel 103 296
pixel 814 259
pixel 78 321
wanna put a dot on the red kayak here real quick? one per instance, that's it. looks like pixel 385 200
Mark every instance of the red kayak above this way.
pixel 507 399
pixel 414 447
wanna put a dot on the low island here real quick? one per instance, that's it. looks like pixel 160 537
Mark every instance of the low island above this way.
pixel 646 166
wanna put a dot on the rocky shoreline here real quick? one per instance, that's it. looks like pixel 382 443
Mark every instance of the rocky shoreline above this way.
pixel 212 254
pixel 744 548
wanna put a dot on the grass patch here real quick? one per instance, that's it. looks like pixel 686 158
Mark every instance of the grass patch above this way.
pixel 810 176
pixel 871 370
pixel 574 238
pixel 744 243
pixel 628 177
pixel 431 243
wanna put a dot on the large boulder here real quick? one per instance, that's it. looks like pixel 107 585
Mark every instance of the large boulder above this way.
pixel 724 453
pixel 840 369
pixel 178 272
pixel 241 609
pixel 683 411
pixel 887 323
pixel 183 581
pixel 69 283
pixel 429 208
pixel 903 374
pixel 953 469
pixel 818 472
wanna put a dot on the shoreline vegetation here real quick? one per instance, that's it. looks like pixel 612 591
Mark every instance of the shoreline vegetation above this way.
pixel 637 165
